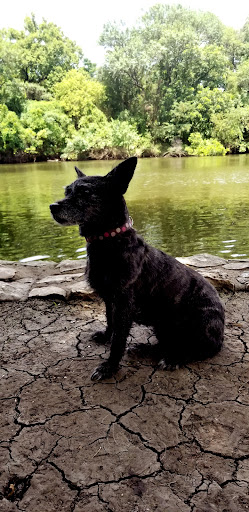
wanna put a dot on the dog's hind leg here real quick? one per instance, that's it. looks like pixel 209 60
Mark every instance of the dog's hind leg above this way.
pixel 172 348
pixel 196 340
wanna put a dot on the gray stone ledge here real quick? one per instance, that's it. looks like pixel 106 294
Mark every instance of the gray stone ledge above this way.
pixel 23 280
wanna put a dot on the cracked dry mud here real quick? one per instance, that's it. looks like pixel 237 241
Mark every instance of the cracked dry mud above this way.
pixel 144 441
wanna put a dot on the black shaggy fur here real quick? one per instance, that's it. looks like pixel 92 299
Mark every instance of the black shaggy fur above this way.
pixel 138 282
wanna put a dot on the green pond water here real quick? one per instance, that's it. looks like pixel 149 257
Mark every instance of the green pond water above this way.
pixel 183 206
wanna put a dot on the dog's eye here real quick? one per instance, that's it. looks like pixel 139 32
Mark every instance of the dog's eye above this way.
pixel 83 191
pixel 67 191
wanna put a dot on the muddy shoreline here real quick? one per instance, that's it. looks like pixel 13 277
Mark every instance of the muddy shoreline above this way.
pixel 144 441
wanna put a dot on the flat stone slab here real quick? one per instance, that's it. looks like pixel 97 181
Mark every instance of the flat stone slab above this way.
pixel 236 265
pixel 202 260
pixel 48 291
pixel 6 273
pixel 17 290
pixel 60 278
pixel 67 265
pixel 144 440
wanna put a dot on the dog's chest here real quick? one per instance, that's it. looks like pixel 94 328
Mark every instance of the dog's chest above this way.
pixel 104 274
pixel 115 266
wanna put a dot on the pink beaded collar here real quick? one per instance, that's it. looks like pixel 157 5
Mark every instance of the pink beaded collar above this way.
pixel 112 232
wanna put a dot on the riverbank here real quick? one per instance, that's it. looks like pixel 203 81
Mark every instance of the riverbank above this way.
pixel 106 155
pixel 65 280
pixel 145 440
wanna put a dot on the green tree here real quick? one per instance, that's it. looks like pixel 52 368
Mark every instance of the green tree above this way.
pixel 242 80
pixel 36 92
pixel 164 59
pixel 232 128
pixel 233 46
pixel 195 115
pixel 41 51
pixel 79 95
pixel 13 95
pixel 178 77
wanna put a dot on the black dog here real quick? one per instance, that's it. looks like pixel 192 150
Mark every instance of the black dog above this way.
pixel 137 282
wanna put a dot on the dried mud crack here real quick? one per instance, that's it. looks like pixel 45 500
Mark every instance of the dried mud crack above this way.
pixel 144 441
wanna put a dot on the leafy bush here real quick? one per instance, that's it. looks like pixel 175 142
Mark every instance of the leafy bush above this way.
pixel 204 147
pixel 112 139
pixel 48 128
pixel 124 135
pixel 12 133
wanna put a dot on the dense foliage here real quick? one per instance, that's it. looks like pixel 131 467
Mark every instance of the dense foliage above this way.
pixel 177 83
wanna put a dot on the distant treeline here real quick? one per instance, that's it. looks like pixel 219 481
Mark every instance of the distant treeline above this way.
pixel 177 83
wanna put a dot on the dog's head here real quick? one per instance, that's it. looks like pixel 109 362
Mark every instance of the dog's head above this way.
pixel 95 202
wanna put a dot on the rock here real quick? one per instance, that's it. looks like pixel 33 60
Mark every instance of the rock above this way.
pixel 6 273
pixel 82 290
pixel 48 291
pixel 38 263
pixel 218 280
pixel 236 265
pixel 68 277
pixel 67 265
pixel 59 278
pixel 15 291
pixel 202 260
pixel 243 278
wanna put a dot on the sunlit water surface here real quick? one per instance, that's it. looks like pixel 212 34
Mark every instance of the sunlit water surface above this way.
pixel 183 206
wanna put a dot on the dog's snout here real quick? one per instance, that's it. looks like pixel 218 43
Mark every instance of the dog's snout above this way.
pixel 54 206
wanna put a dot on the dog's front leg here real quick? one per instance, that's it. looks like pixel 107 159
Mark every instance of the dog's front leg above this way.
pixel 103 337
pixel 121 324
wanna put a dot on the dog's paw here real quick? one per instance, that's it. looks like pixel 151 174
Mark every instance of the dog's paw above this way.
pixel 100 337
pixel 163 365
pixel 103 371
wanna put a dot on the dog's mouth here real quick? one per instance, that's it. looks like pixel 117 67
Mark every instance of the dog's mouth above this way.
pixel 54 209
pixel 61 221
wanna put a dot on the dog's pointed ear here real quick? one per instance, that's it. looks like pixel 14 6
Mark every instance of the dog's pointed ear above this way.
pixel 80 174
pixel 120 177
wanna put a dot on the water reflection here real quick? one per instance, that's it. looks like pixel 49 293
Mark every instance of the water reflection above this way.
pixel 183 206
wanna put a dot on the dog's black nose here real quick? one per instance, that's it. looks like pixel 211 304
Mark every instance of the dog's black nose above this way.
pixel 54 207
